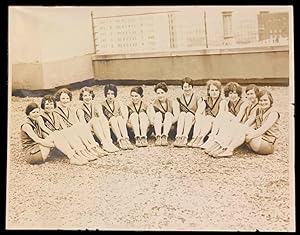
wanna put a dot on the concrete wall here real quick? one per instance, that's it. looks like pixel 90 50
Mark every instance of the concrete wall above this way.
pixel 24 50
pixel 49 47
pixel 246 63
pixel 64 72
pixel 27 76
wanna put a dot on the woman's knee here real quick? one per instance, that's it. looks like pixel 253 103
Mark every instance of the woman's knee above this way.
pixel 80 125
pixel 190 115
pixel 38 154
pixel 199 118
pixel 255 144
pixel 120 119
pixel 129 123
pixel 143 115
pixel 169 116
pixel 35 160
pixel 113 120
pixel 55 135
pixel 263 148
pixel 35 157
pixel 158 117
pixel 143 118
pixel 134 117
pixel 94 121
pixel 182 116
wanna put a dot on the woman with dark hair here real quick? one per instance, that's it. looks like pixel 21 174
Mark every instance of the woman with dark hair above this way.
pixel 228 130
pixel 92 115
pixel 252 92
pixel 188 104
pixel 36 147
pixel 207 112
pixel 234 111
pixel 262 134
pixel 73 127
pixel 49 121
pixel 138 119
pixel 116 115
pixel 164 113
pixel 234 91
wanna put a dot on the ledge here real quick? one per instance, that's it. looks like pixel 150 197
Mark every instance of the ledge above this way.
pixel 281 82
pixel 203 52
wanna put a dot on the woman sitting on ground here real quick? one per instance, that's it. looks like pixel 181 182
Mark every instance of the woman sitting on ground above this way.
pixel 138 119
pixel 207 112
pixel 164 113
pixel 36 147
pixel 92 115
pixel 261 136
pixel 73 127
pixel 116 115
pixel 49 121
pixel 228 131
pixel 188 103
pixel 234 111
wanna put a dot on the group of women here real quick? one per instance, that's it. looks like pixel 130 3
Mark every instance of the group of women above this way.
pixel 217 123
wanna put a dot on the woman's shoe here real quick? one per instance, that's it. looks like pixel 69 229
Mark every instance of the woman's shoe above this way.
pixel 198 142
pixel 183 141
pixel 100 151
pixel 177 142
pixel 77 160
pixel 138 141
pixel 128 143
pixel 144 141
pixel 164 140
pixel 110 147
pixel 226 153
pixel 158 140
pixel 83 155
pixel 211 147
pixel 122 144
pixel 91 157
pixel 191 143
pixel 217 152
pixel 208 143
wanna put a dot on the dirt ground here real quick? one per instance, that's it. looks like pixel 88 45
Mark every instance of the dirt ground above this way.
pixel 152 188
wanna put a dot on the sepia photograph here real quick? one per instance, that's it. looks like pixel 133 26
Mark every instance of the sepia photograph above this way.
pixel 151 118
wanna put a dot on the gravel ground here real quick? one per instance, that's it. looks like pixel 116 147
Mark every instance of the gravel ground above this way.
pixel 152 188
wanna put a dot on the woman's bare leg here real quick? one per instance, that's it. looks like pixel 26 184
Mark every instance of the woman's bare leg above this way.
pixel 134 121
pixel 158 119
pixel 167 123
pixel 144 123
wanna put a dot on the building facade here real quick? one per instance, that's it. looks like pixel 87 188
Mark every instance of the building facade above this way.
pixel 145 32
pixel 273 26
pixel 186 29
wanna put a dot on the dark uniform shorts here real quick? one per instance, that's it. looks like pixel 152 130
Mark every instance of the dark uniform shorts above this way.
pixel 34 155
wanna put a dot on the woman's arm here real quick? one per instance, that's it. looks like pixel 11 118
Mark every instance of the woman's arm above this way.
pixel 151 113
pixel 242 111
pixel 29 131
pixel 201 107
pixel 272 118
pixel 251 119
pixel 41 123
pixel 124 111
pixel 99 110
pixel 223 107
pixel 80 116
pixel 61 122
pixel 176 110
